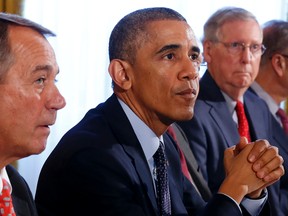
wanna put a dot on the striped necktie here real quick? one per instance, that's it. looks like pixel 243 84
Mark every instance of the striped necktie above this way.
pixel 284 119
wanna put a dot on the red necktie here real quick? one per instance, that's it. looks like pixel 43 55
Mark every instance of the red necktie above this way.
pixel 243 126
pixel 181 154
pixel 284 119
pixel 6 206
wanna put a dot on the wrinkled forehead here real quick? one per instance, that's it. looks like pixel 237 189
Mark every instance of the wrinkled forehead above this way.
pixel 237 27
pixel 171 30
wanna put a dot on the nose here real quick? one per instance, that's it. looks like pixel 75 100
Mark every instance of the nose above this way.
pixel 56 100
pixel 246 55
pixel 190 70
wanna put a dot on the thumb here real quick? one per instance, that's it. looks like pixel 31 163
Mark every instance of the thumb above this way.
pixel 228 157
pixel 241 145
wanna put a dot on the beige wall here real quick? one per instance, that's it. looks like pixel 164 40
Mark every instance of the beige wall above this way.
pixel 11 6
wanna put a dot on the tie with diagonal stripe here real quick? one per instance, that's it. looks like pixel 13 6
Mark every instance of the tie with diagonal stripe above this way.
pixel 243 125
pixel 184 167
pixel 284 119
pixel 162 186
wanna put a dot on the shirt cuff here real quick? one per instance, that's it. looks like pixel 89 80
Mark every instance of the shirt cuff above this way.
pixel 254 206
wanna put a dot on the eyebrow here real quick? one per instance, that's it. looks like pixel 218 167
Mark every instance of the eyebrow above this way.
pixel 47 68
pixel 168 47
pixel 176 46
pixel 195 49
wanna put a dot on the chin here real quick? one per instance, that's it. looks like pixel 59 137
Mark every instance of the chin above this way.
pixel 38 148
pixel 185 116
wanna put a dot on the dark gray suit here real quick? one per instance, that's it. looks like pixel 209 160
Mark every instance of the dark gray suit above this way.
pixel 22 198
pixel 280 139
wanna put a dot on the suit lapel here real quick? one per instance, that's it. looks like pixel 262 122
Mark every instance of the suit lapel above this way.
pixel 257 126
pixel 192 164
pixel 219 111
pixel 126 136
pixel 21 196
pixel 279 136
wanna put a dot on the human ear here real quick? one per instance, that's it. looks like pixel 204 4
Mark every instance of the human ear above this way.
pixel 119 72
pixel 279 64
pixel 207 45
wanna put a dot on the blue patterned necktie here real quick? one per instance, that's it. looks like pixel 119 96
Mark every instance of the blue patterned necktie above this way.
pixel 162 186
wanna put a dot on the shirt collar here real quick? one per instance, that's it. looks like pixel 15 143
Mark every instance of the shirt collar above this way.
pixel 4 175
pixel 272 105
pixel 230 102
pixel 147 138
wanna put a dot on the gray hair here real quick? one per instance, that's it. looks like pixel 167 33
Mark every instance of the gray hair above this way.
pixel 222 16
pixel 6 20
pixel 275 38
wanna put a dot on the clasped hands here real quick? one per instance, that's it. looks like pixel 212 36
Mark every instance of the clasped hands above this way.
pixel 250 167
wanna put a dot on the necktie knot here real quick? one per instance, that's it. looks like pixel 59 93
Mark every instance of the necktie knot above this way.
pixel 162 186
pixel 6 206
pixel 284 119
pixel 243 126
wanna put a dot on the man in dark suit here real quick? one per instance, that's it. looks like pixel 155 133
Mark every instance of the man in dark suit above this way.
pixel 28 106
pixel 271 85
pixel 106 164
pixel 232 46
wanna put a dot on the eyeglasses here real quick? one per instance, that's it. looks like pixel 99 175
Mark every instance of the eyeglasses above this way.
pixel 237 48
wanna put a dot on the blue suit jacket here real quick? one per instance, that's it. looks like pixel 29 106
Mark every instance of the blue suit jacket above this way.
pixel 99 168
pixel 280 139
pixel 212 130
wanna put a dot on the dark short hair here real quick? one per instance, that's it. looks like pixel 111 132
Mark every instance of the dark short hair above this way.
pixel 6 20
pixel 130 32
pixel 275 38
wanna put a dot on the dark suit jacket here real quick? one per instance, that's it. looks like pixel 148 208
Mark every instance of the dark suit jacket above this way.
pixel 280 139
pixel 192 163
pixel 22 198
pixel 99 168
pixel 212 130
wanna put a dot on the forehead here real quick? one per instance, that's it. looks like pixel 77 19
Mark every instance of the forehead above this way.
pixel 171 31
pixel 28 44
pixel 241 30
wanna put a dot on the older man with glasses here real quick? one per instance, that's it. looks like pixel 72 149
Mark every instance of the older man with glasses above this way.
pixel 225 110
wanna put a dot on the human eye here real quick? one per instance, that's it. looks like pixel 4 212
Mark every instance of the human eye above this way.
pixel 40 81
pixel 255 47
pixel 169 56
pixel 235 45
pixel 194 57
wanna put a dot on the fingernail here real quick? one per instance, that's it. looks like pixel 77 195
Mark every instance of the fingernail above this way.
pixel 256 166
pixel 251 158
pixel 267 178
pixel 260 174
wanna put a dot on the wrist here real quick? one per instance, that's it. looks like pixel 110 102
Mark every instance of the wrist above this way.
pixel 229 188
pixel 260 194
